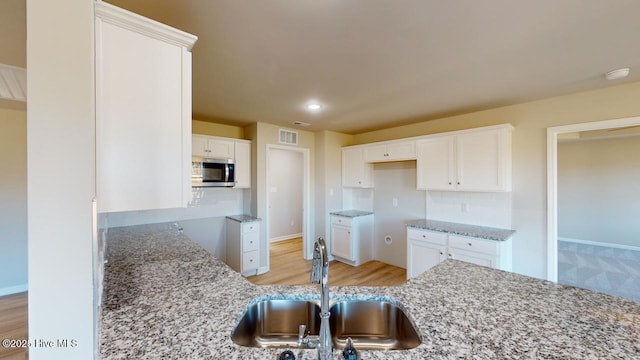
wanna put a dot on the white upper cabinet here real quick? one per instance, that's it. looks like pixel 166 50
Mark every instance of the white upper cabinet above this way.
pixel 208 147
pixel 473 160
pixel 355 172
pixel 243 164
pixel 143 112
pixel 395 151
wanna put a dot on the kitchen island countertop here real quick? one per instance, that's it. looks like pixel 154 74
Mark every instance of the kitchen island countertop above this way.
pixel 167 298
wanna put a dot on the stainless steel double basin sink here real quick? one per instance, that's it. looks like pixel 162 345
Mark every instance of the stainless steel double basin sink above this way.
pixel 371 324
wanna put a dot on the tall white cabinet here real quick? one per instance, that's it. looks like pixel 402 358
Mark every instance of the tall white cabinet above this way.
pixel 143 112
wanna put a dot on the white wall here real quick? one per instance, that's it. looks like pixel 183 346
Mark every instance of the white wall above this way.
pixel 599 190
pixel 484 209
pixel 13 201
pixel 395 182
pixel 285 194
pixel 61 176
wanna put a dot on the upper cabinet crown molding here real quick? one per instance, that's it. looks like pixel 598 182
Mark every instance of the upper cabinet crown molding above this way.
pixel 142 25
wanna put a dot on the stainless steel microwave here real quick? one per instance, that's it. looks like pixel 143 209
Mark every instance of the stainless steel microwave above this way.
pixel 213 172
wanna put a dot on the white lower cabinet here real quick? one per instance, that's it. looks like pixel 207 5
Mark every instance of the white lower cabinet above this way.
pixel 426 249
pixel 351 239
pixel 243 246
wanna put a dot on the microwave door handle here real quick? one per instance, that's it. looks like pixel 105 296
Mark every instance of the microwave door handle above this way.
pixel 226 173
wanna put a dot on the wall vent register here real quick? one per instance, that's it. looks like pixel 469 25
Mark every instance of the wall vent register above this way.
pixel 288 137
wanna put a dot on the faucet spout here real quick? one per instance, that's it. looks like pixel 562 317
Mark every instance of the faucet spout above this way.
pixel 320 275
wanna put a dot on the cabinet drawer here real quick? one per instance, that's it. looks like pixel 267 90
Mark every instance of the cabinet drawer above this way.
pixel 250 227
pixel 429 236
pixel 341 220
pixel 250 260
pixel 473 244
pixel 250 241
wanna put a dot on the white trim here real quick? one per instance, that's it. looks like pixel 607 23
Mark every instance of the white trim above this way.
pixel 142 25
pixel 599 243
pixel 285 237
pixel 552 181
pixel 14 289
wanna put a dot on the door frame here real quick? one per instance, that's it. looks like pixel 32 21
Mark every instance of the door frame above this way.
pixel 552 180
pixel 306 193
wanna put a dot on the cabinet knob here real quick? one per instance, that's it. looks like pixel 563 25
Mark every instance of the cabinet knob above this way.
pixel 449 182
pixel 458 182
pixel 470 244
pixel 441 253
pixel 450 255
pixel 424 236
pixel 250 260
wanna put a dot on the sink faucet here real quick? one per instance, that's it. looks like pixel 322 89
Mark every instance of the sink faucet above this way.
pixel 320 275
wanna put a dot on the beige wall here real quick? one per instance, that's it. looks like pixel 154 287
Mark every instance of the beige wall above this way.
pixel 262 135
pixel 207 128
pixel 599 190
pixel 13 201
pixel 328 177
pixel 529 153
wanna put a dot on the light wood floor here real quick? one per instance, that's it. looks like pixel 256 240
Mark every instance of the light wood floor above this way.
pixel 13 324
pixel 287 267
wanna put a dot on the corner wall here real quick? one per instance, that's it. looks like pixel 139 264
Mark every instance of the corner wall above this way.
pixel 13 201
pixel 529 154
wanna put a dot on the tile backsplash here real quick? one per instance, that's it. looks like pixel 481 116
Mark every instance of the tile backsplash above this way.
pixel 485 209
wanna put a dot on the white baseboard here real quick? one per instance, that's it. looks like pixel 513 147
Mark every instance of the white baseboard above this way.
pixel 598 243
pixel 285 237
pixel 13 289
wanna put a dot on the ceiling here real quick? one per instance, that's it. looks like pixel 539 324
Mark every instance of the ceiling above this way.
pixel 375 64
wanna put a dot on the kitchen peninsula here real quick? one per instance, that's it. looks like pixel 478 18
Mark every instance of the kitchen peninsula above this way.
pixel 167 298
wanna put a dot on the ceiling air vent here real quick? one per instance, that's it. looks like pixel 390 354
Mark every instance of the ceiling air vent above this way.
pixel 13 83
pixel 288 137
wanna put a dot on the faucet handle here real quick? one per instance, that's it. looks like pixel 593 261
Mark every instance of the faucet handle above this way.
pixel 301 330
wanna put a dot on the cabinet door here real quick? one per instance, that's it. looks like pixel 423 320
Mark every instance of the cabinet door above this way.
pixel 243 164
pixel 436 163
pixel 482 161
pixel 472 257
pixel 355 173
pixel 341 245
pixel 221 149
pixel 376 153
pixel 422 256
pixel 477 251
pixel 199 146
pixel 402 151
pixel 142 145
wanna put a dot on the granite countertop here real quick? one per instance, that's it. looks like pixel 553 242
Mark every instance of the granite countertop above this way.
pixel 167 298
pixel 351 213
pixel 243 218
pixel 476 231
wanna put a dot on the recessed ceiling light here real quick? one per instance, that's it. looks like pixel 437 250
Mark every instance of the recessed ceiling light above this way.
pixel 617 74
pixel 313 106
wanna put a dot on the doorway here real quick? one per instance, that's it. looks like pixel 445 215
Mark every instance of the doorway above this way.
pixel 287 196
pixel 553 136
